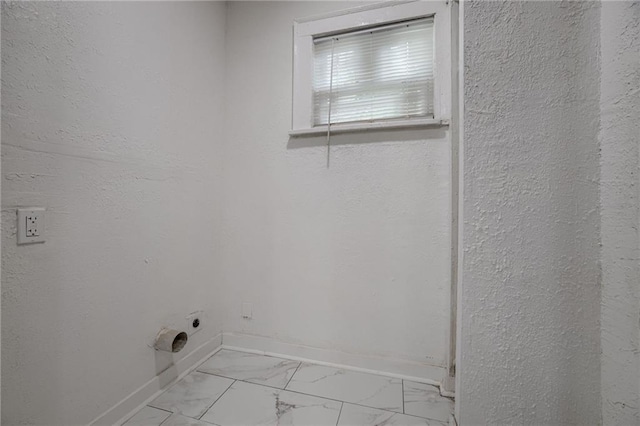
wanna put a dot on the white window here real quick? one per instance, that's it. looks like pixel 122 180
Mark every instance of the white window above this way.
pixel 387 65
pixel 384 72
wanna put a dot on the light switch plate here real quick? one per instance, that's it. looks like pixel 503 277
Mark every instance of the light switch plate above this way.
pixel 31 225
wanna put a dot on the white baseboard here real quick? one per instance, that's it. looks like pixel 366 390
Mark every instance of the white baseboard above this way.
pixel 128 406
pixel 402 369
pixel 397 368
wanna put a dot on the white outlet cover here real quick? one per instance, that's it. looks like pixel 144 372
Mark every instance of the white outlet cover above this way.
pixel 31 225
pixel 190 318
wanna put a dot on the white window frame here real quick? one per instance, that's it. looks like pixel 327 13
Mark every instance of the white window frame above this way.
pixel 304 31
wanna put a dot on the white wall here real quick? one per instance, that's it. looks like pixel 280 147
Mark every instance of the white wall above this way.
pixel 620 209
pixel 111 118
pixel 115 119
pixel 530 332
pixel 353 257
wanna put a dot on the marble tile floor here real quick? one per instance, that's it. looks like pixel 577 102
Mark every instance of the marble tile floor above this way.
pixel 241 389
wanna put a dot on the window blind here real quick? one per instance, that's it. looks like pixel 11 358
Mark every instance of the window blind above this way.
pixel 375 74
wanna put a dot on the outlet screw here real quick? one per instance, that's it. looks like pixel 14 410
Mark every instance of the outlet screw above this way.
pixel 196 323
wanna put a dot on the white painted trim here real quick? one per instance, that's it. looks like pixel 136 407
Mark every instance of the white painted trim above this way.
pixel 363 8
pixel 363 127
pixel 460 283
pixel 449 384
pixel 131 404
pixel 388 367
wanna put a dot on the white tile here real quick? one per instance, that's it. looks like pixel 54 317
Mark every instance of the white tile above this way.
pixel 193 395
pixel 349 386
pixel 178 420
pixel 246 404
pixel 425 401
pixel 253 368
pixel 148 416
pixel 357 415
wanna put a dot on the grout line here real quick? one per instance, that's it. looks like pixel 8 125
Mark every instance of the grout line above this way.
pixel 355 403
pixel 347 367
pixel 339 414
pixel 241 380
pixel 164 421
pixel 155 408
pixel 309 394
pixel 455 420
pixel 451 398
pixel 294 373
pixel 121 421
pixel 258 354
pixel 317 396
pixel 217 399
pixel 158 408
pixel 206 359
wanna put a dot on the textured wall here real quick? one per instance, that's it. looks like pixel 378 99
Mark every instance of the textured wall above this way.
pixel 111 116
pixel 530 294
pixel 106 125
pixel 354 257
pixel 620 210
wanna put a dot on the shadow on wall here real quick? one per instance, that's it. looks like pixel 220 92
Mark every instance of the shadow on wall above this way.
pixel 356 138
pixel 166 368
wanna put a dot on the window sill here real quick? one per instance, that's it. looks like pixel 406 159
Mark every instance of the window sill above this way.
pixel 364 127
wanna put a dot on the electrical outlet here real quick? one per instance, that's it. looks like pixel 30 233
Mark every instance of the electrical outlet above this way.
pixel 194 322
pixel 247 310
pixel 31 225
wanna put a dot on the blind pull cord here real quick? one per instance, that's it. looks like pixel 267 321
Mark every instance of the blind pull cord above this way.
pixel 333 40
